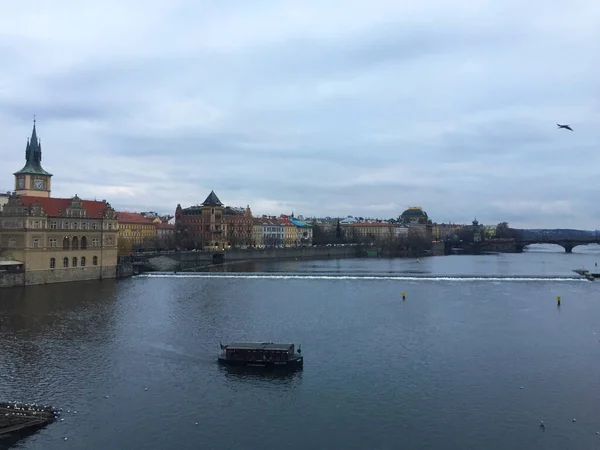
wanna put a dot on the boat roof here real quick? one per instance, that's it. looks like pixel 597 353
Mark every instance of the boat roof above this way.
pixel 259 346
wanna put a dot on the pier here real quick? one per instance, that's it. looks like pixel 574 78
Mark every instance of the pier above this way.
pixel 20 417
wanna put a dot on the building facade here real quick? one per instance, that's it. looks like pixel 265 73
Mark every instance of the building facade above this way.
pixel 55 239
pixel 135 232
pixel 212 225
pixel 60 239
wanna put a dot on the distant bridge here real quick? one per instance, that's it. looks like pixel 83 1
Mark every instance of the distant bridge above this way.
pixel 567 244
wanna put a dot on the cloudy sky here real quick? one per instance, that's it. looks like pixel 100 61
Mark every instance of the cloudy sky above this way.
pixel 321 107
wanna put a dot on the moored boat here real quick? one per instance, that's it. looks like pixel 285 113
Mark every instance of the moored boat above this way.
pixel 261 354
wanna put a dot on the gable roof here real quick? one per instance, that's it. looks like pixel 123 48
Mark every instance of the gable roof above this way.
pixel 127 217
pixel 54 206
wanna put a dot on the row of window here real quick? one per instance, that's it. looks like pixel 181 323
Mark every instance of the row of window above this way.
pixel 73 244
pixel 82 262
pixel 54 225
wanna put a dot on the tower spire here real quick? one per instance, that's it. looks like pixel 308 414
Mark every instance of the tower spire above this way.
pixel 33 155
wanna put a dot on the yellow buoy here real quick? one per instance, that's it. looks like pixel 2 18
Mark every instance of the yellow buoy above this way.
pixel 558 300
pixel 404 296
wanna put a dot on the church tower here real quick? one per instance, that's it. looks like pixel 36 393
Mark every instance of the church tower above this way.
pixel 32 180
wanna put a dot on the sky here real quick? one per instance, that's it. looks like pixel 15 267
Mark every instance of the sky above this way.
pixel 332 108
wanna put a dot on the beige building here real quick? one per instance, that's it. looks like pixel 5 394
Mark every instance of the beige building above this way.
pixel 371 231
pixel 56 239
pixel 60 239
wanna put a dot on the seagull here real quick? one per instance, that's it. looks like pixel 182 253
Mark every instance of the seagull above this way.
pixel 566 127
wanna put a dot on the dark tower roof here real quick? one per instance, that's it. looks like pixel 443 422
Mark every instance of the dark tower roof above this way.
pixel 212 200
pixel 33 157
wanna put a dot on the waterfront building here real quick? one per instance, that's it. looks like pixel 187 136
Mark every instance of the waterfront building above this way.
pixel 417 221
pixel 290 231
pixel 370 231
pixel 55 239
pixel 212 225
pixel 165 235
pixel 304 231
pixel 136 231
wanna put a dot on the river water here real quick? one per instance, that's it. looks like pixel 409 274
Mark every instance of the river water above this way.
pixel 474 358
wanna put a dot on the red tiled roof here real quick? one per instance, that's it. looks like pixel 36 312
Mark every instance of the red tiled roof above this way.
pixel 127 217
pixel 52 205
pixel 164 226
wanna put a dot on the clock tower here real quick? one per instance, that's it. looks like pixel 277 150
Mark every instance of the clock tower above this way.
pixel 32 180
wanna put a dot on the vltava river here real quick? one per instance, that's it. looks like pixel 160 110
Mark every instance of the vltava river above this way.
pixel 474 358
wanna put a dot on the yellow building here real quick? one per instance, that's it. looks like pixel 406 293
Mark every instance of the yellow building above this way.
pixel 56 239
pixel 371 231
pixel 135 232
pixel 290 232
pixel 257 233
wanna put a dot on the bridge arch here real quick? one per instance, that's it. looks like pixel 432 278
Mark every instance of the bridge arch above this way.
pixel 568 245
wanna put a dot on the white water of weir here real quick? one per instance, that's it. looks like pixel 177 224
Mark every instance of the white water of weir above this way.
pixel 358 277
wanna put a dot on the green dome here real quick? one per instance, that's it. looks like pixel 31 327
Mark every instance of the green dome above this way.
pixel 414 212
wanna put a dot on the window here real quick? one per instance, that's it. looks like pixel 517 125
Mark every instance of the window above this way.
pixel 53 225
pixel 109 226
pixel 95 226
pixel 12 242
pixel 75 225
pixel 36 243
pixel 82 264
pixel 95 260
pixel 74 261
pixel 66 225
pixel 52 242
pixel 36 224
pixel 52 263
pixel 83 242
pixel 75 243
pixel 84 226
pixel 65 262
pixel 95 242
pixel 66 242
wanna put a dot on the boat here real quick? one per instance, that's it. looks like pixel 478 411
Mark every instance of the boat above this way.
pixel 261 354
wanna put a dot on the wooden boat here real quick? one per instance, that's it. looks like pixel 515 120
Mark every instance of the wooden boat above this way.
pixel 261 354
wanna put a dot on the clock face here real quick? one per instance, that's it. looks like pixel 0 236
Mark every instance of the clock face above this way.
pixel 21 183
pixel 38 184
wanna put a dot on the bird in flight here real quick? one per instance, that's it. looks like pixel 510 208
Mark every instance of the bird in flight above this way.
pixel 566 127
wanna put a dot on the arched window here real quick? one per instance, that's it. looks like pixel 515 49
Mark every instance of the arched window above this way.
pixel 74 261
pixel 66 243
pixel 83 242
pixel 52 263
pixel 75 245
pixel 95 260
pixel 82 263
pixel 65 262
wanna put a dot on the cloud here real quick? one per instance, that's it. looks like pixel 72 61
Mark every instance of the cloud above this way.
pixel 324 108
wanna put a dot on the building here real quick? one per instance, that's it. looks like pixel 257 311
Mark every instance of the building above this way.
pixel 417 221
pixel 56 239
pixel 370 231
pixel 304 231
pixel 165 235
pixel 212 225
pixel 290 231
pixel 3 199
pixel 135 232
